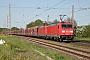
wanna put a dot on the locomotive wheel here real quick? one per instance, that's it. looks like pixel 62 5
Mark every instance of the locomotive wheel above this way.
pixel 72 38
pixel 60 39
pixel 45 38
pixel 52 38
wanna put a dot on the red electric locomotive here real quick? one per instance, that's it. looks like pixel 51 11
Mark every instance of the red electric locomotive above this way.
pixel 60 31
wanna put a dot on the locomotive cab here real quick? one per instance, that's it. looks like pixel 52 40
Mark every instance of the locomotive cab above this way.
pixel 66 31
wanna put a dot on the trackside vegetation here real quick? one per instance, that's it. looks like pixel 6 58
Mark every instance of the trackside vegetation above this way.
pixel 83 32
pixel 16 49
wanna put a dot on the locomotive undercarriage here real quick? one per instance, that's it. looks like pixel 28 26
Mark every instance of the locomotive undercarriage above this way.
pixel 68 38
pixel 58 38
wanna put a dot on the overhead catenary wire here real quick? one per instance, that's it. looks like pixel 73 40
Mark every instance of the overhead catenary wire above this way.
pixel 48 9
pixel 83 16
pixel 33 8
pixel 61 8
pixel 78 3
pixel 58 8
pixel 51 7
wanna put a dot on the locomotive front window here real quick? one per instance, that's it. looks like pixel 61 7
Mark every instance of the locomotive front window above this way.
pixel 66 26
pixel 69 26
pixel 63 26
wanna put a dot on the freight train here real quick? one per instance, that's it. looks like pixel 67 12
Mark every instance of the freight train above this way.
pixel 60 31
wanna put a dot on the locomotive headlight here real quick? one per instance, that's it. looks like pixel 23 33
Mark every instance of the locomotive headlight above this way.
pixel 63 31
pixel 71 31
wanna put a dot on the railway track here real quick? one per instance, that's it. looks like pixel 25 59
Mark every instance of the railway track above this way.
pixel 72 51
pixel 84 42
pixel 81 43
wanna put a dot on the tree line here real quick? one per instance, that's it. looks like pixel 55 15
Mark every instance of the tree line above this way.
pixel 39 22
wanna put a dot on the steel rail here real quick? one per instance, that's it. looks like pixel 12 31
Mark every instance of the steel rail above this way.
pixel 76 52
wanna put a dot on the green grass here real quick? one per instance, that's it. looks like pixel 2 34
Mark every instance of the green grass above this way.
pixel 85 39
pixel 88 39
pixel 53 54
pixel 16 49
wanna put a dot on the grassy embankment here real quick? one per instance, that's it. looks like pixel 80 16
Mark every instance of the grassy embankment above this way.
pixel 16 49
pixel 77 38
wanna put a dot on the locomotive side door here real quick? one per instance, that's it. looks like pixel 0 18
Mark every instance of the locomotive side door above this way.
pixel 59 29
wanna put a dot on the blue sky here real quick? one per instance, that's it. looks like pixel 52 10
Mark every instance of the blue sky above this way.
pixel 25 11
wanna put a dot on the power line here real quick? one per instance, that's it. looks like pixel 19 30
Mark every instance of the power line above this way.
pixel 44 8
pixel 78 3
pixel 26 8
pixel 51 7
pixel 35 7
pixel 83 16
pixel 62 8
pixel 82 9
pixel 48 9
